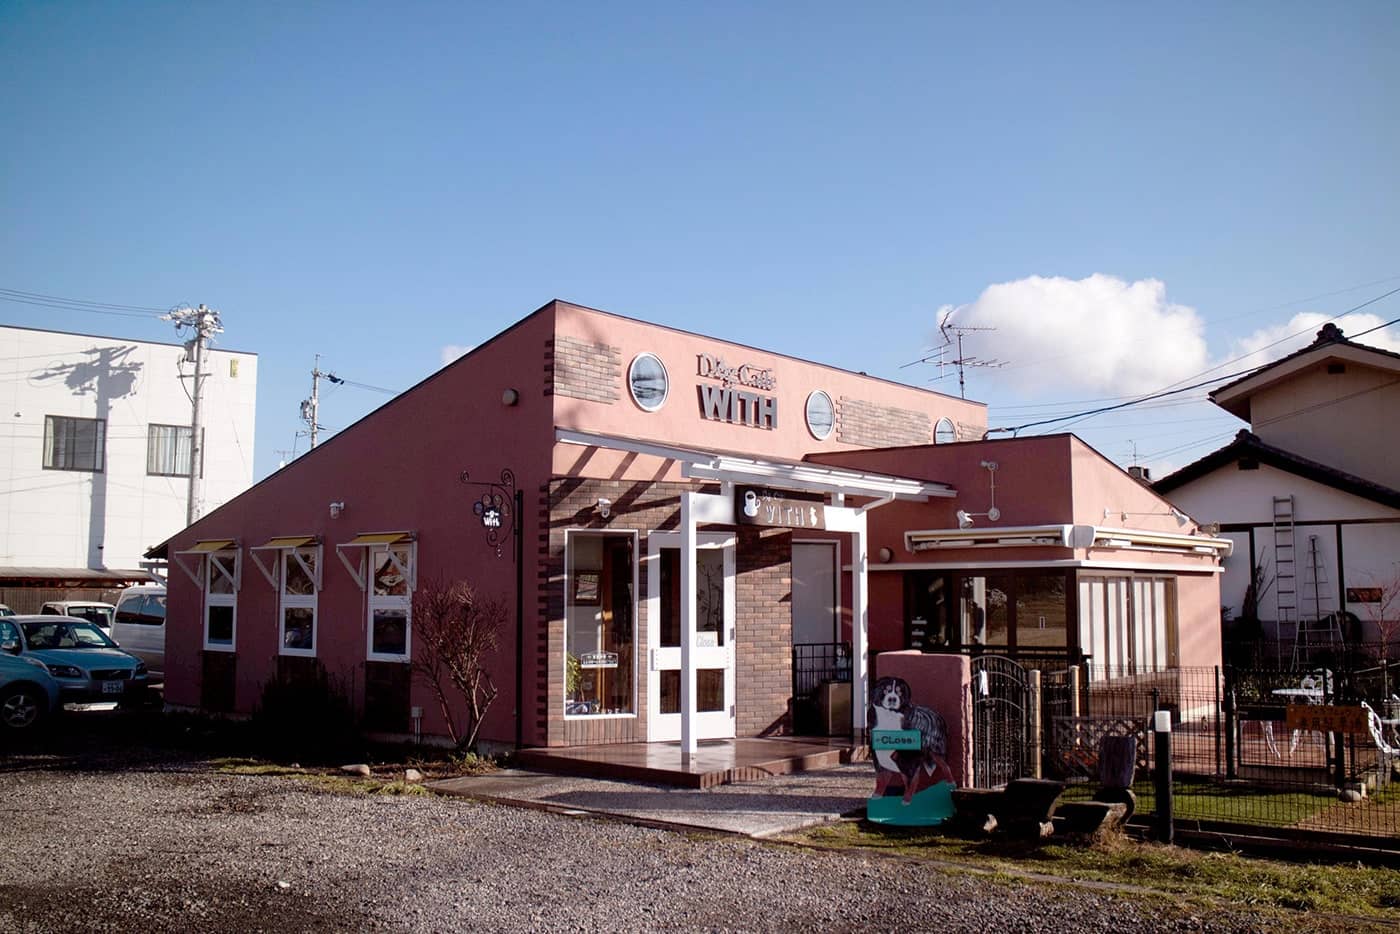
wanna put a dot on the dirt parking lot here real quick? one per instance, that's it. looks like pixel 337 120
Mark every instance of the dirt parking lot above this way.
pixel 117 835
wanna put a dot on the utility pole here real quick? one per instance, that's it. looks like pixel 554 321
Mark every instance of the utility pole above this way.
pixel 311 408
pixel 205 323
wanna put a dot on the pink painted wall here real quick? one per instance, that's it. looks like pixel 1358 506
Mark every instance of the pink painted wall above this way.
pixel 680 420
pixel 397 469
pixel 1198 623
pixel 941 683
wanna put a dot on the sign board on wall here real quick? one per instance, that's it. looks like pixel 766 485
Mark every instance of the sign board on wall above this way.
pixel 740 397
pixel 598 660
pixel 758 506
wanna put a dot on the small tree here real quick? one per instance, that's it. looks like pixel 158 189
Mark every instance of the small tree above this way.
pixel 1384 612
pixel 455 630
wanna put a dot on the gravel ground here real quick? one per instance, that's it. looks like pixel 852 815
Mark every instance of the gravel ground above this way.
pixel 173 846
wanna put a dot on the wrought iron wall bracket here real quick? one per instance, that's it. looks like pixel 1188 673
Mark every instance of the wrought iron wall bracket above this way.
pixel 495 508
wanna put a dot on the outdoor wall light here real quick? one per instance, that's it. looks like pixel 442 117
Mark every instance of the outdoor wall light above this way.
pixel 604 507
pixel 337 509
pixel 886 555
pixel 510 397
pixel 1180 517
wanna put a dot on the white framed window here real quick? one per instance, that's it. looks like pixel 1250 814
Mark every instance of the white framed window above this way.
pixel 300 584
pixel 389 636
pixel 648 382
pixel 821 415
pixel 600 612
pixel 222 573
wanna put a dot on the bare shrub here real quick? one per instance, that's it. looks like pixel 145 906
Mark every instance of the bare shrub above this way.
pixel 455 630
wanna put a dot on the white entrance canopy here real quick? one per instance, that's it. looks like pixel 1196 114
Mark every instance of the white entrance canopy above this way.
pixel 787 475
pixel 731 469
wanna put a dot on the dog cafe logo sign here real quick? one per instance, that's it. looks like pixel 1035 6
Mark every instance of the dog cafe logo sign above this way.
pixel 735 400
pixel 757 506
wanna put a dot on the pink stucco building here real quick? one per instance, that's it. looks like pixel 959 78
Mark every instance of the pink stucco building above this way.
pixel 694 518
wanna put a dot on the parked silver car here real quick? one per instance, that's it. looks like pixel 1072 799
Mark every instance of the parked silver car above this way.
pixel 140 624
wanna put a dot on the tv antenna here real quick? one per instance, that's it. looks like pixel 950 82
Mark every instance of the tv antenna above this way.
pixel 953 335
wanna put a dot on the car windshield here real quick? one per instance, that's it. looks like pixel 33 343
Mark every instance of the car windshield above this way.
pixel 101 615
pixel 65 635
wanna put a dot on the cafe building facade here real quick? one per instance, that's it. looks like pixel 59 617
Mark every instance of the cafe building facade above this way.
pixel 677 525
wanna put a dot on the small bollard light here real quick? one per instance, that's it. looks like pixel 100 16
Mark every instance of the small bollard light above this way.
pixel 1162 727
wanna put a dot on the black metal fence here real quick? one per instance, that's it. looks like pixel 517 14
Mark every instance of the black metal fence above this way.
pixel 816 667
pixel 1310 749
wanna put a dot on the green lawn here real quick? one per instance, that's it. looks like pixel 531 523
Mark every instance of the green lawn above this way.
pixel 1339 888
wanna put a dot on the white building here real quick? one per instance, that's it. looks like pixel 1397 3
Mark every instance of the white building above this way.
pixel 1311 494
pixel 95 454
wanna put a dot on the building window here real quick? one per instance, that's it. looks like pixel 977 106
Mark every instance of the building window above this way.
pixel 648 381
pixel 300 574
pixel 74 443
pixel 945 432
pixel 221 575
pixel 168 451
pixel 821 415
pixel 1127 624
pixel 600 672
pixel 391 602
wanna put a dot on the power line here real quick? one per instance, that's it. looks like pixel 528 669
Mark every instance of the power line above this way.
pixel 1077 417
pixel 20 297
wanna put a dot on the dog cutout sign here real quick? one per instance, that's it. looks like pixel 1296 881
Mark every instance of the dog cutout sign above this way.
pixel 909 747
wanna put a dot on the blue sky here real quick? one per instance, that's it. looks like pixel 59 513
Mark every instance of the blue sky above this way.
pixel 378 182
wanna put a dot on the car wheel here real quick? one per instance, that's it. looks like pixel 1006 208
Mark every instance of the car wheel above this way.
pixel 21 707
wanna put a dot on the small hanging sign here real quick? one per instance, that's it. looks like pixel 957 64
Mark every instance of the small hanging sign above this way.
pixel 598 660
pixel 758 506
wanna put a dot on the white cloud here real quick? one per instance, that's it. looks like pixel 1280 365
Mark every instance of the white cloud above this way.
pixel 450 352
pixel 1100 334
pixel 1301 330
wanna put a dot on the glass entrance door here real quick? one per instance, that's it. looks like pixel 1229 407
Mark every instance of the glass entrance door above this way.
pixel 713 650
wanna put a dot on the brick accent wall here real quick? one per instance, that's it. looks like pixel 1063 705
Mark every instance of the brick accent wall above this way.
pixel 880 426
pixel 763 597
pixel 581 370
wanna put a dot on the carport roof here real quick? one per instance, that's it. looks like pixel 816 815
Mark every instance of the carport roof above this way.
pixel 73 577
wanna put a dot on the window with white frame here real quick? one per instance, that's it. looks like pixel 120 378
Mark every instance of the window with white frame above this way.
pixel 221 600
pixel 75 443
pixel 1128 625
pixel 300 573
pixel 391 602
pixel 168 451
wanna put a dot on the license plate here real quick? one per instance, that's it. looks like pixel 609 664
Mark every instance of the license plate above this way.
pixel 112 687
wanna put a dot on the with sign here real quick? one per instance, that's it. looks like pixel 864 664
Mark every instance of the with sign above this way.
pixel 757 506
pixel 598 660
pixel 1326 718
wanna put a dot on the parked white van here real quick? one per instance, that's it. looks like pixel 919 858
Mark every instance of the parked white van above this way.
pixel 140 624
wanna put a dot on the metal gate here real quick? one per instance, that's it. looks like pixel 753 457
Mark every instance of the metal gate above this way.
pixel 1001 721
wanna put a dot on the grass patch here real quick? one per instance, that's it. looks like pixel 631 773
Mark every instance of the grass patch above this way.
pixel 1242 803
pixel 1343 888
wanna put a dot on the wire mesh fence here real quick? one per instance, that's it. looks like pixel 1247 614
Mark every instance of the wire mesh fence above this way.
pixel 1308 749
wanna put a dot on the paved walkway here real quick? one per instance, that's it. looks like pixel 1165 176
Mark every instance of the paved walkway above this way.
pixel 755 809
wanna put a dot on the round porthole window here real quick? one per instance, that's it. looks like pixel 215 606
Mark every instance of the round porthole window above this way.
pixel 648 382
pixel 945 432
pixel 821 415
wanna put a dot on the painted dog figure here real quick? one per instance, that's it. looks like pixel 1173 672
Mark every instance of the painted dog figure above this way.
pixel 891 708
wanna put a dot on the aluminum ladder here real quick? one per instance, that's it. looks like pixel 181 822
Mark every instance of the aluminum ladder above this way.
pixel 1285 575
pixel 1322 630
